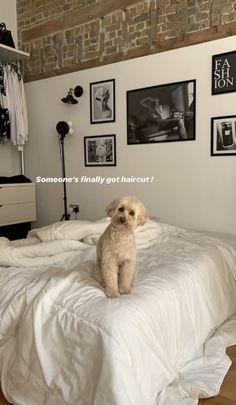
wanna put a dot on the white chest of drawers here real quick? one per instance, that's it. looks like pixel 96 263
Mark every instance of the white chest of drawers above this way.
pixel 17 203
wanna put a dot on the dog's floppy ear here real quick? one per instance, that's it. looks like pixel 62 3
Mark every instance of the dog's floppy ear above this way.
pixel 111 207
pixel 143 216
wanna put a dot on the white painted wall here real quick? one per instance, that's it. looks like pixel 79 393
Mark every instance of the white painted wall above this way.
pixel 9 157
pixel 190 188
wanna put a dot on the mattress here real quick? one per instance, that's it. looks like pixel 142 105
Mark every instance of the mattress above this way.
pixel 63 342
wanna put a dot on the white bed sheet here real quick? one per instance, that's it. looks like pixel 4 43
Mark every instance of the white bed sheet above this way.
pixel 63 342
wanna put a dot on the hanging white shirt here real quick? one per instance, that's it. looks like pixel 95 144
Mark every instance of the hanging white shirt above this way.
pixel 16 102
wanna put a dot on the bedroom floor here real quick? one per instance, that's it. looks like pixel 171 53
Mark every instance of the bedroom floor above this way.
pixel 227 393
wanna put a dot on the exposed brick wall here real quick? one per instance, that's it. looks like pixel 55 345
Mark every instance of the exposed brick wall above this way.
pixel 68 35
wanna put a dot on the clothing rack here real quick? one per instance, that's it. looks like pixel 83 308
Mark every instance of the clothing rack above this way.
pixel 16 65
pixel 14 57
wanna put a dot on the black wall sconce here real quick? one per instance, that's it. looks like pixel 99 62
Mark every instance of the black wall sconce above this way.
pixel 69 99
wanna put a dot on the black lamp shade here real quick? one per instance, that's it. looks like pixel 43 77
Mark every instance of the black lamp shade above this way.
pixel 69 99
pixel 62 128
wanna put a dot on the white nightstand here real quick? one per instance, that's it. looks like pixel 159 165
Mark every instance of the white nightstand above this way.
pixel 17 203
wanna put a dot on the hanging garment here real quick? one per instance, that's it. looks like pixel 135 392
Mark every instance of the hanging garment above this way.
pixel 10 102
pixel 16 102
pixel 4 123
pixel 24 109
pixel 20 135
pixel 3 99
pixel 2 91
pixel 4 113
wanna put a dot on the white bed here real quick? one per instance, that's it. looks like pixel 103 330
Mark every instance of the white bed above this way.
pixel 63 342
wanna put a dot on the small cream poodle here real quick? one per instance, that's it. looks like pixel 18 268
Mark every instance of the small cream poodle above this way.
pixel 116 251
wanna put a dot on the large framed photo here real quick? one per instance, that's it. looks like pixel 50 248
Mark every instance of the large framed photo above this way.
pixel 224 73
pixel 102 101
pixel 164 113
pixel 223 135
pixel 100 150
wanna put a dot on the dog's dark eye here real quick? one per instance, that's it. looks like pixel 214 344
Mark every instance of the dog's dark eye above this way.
pixel 121 209
pixel 131 213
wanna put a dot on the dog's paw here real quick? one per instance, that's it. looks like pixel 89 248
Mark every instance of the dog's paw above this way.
pixel 111 292
pixel 124 290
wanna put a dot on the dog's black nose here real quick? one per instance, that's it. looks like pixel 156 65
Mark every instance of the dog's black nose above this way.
pixel 122 220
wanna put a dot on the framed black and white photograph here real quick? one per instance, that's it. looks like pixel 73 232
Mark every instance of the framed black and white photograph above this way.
pixel 100 150
pixel 224 73
pixel 223 135
pixel 164 113
pixel 102 102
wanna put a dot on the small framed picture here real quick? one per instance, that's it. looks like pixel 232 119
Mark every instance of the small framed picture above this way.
pixel 224 73
pixel 100 150
pixel 223 135
pixel 102 101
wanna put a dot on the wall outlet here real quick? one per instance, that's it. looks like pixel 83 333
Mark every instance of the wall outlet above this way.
pixel 75 208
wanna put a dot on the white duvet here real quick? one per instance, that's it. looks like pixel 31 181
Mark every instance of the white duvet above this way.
pixel 63 342
pixel 54 243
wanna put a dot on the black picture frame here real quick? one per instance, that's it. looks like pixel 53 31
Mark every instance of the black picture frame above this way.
pixel 102 102
pixel 223 73
pixel 100 150
pixel 223 136
pixel 173 120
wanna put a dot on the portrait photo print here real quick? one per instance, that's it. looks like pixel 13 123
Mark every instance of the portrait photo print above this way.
pixel 164 113
pixel 100 150
pixel 102 101
pixel 223 135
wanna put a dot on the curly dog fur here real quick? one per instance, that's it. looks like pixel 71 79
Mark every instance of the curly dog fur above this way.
pixel 116 250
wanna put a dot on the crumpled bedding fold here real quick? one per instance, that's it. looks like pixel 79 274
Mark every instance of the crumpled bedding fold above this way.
pixel 52 243
pixel 90 231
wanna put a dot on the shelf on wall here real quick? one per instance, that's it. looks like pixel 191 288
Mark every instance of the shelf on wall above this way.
pixel 8 54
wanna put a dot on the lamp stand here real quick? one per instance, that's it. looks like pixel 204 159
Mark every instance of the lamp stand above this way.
pixel 65 216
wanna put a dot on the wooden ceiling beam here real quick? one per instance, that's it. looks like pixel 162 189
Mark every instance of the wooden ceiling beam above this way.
pixel 194 38
pixel 75 18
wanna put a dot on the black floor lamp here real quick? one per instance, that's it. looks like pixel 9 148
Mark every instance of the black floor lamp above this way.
pixel 63 129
